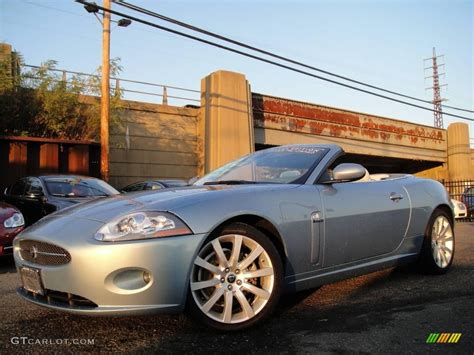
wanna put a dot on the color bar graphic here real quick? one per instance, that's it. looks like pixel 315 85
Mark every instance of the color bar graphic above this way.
pixel 443 338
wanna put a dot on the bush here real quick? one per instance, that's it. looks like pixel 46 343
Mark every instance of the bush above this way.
pixel 38 102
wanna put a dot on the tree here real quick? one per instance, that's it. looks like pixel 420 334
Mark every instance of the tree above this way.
pixel 39 102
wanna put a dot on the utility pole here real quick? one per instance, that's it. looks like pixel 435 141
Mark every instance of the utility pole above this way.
pixel 105 83
pixel 105 94
pixel 437 100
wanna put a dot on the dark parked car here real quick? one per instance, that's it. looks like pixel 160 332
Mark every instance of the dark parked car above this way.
pixel 468 199
pixel 11 223
pixel 37 196
pixel 153 185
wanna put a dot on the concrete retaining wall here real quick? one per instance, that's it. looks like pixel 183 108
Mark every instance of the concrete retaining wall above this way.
pixel 161 143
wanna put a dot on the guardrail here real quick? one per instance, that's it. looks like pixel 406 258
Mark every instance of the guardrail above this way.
pixel 132 89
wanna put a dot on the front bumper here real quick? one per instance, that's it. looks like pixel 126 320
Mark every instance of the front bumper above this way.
pixel 129 310
pixel 108 274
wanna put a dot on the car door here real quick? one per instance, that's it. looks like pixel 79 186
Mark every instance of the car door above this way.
pixel 15 193
pixel 33 200
pixel 362 219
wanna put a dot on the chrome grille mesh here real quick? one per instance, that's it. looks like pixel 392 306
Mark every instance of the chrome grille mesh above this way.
pixel 43 253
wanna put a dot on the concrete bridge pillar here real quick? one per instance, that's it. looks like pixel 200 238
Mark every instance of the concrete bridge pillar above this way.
pixel 225 131
pixel 459 152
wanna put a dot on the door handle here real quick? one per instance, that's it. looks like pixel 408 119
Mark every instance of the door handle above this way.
pixel 316 217
pixel 395 197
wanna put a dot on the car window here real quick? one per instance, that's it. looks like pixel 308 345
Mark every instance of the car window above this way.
pixel 134 187
pixel 34 187
pixel 77 186
pixel 18 188
pixel 284 165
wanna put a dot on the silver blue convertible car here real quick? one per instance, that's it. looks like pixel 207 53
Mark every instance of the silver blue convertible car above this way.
pixel 282 219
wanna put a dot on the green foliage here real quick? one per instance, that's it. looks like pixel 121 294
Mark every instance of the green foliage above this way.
pixel 39 102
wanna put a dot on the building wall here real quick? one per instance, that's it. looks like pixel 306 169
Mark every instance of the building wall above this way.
pixel 153 142
pixel 472 160
pixel 439 173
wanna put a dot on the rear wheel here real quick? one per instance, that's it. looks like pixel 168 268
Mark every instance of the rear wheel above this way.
pixel 236 279
pixel 437 253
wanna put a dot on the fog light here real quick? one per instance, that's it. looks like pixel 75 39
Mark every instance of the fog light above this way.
pixel 146 277
pixel 128 281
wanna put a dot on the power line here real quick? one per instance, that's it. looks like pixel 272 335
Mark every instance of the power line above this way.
pixel 182 34
pixel 256 49
pixel 112 78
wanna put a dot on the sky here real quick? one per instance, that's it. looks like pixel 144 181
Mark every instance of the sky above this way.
pixel 382 42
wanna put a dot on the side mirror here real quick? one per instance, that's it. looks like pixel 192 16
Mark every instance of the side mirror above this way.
pixel 348 172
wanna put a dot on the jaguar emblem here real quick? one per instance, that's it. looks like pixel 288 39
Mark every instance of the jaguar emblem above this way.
pixel 34 252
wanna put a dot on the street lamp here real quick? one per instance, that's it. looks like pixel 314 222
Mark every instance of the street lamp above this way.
pixel 91 8
pixel 124 22
pixel 105 83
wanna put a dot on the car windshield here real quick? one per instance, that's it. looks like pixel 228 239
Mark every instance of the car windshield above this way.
pixel 280 165
pixel 78 187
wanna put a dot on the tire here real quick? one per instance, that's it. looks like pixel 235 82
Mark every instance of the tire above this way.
pixel 437 252
pixel 236 279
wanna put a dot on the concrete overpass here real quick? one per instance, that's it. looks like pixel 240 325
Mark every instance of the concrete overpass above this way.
pixel 235 121
pixel 366 138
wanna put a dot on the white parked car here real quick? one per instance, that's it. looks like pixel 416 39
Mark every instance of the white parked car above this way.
pixel 460 210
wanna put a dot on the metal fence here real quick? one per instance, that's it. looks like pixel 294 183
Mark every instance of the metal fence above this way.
pixel 463 191
pixel 135 89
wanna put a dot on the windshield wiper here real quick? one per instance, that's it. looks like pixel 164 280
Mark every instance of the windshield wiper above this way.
pixel 230 182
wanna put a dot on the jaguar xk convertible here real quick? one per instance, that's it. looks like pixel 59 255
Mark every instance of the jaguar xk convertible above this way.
pixel 279 220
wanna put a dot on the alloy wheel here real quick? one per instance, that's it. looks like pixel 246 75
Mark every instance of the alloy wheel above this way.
pixel 442 241
pixel 232 279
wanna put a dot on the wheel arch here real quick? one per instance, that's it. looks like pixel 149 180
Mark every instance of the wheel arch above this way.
pixel 448 210
pixel 264 225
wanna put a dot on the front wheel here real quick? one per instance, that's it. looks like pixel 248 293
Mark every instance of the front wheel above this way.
pixel 437 253
pixel 236 279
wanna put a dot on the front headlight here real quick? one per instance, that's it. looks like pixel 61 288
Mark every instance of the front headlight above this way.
pixel 14 221
pixel 461 206
pixel 142 225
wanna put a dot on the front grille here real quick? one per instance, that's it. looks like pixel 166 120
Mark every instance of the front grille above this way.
pixel 63 299
pixel 43 253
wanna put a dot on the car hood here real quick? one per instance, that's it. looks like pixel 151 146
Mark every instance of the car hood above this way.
pixel 108 208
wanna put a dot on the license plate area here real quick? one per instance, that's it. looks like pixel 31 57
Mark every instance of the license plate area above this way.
pixel 31 279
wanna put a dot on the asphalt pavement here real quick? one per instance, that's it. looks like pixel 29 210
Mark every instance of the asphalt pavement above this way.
pixel 391 311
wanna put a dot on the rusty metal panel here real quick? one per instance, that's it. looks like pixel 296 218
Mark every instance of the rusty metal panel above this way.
pixel 78 159
pixel 13 164
pixel 17 158
pixel 299 117
pixel 48 158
